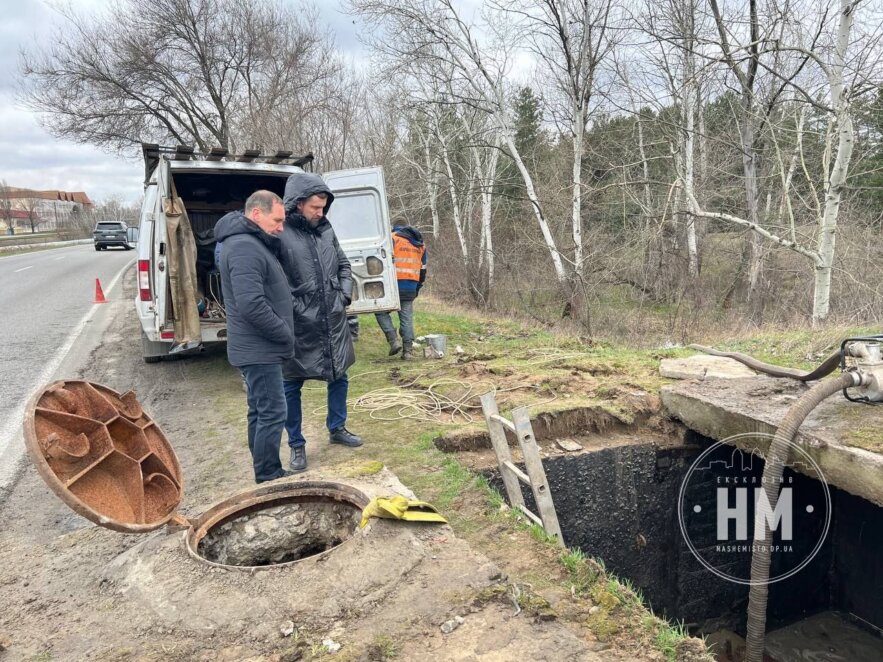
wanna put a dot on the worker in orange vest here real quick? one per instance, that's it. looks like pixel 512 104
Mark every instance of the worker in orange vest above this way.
pixel 410 258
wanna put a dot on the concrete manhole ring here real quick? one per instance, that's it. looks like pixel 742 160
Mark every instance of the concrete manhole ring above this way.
pixel 276 526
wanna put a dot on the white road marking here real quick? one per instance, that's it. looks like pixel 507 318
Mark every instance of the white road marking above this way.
pixel 23 269
pixel 11 431
pixel 61 258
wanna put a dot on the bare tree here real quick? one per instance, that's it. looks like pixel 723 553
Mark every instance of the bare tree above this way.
pixel 434 29
pixel 115 208
pixel 427 167
pixel 467 144
pixel 6 205
pixel 673 25
pixel 31 207
pixel 840 91
pixel 203 72
pixel 571 39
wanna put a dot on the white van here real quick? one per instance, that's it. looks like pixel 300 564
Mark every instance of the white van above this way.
pixel 187 192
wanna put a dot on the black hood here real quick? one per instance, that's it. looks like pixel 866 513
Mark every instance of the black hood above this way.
pixel 237 223
pixel 410 233
pixel 301 186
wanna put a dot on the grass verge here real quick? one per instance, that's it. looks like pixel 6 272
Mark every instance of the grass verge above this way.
pixel 400 408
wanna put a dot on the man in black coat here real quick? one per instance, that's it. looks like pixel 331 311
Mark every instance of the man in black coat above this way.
pixel 260 327
pixel 321 288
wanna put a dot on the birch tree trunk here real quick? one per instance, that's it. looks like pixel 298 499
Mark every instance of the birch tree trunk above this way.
pixel 645 170
pixel 456 209
pixel 431 185
pixel 842 118
pixel 557 262
pixel 579 127
pixel 747 78
pixel 688 108
pixel 489 175
pixel 752 202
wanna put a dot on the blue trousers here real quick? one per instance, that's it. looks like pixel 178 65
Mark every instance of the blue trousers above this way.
pixel 266 418
pixel 337 392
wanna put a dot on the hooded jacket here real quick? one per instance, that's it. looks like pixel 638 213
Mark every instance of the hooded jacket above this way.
pixel 321 283
pixel 408 289
pixel 260 328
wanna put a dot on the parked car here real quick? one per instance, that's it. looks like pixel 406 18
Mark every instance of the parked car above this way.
pixel 179 302
pixel 111 233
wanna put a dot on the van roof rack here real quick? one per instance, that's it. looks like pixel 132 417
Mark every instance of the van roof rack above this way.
pixel 152 153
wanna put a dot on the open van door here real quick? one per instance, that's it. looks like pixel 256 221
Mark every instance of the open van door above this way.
pixel 360 218
pixel 160 243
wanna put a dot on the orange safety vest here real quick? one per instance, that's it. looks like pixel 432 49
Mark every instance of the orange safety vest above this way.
pixel 409 258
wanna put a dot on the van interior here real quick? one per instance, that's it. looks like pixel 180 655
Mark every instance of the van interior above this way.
pixel 207 196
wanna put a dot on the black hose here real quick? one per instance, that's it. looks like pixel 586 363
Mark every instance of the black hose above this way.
pixel 825 368
pixel 776 457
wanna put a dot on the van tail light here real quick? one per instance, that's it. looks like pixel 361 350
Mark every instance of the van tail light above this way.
pixel 144 280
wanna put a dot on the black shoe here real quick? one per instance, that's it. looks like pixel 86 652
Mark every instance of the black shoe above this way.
pixel 344 437
pixel 285 474
pixel 298 463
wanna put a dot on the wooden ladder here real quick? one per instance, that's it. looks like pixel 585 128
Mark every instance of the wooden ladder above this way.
pixel 535 476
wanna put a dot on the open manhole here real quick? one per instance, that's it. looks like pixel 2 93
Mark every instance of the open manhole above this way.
pixel 277 528
pixel 111 463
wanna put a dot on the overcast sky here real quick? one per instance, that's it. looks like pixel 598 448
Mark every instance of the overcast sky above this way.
pixel 31 158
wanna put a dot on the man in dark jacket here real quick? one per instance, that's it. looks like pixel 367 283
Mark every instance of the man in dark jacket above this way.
pixel 410 258
pixel 321 288
pixel 260 327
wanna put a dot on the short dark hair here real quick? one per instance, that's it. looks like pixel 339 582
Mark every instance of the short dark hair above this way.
pixel 321 194
pixel 263 200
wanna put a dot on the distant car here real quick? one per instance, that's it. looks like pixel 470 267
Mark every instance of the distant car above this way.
pixel 111 233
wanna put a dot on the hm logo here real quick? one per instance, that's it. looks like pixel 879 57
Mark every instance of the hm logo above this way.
pixel 763 513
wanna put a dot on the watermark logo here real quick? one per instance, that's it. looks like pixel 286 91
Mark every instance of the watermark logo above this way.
pixel 723 506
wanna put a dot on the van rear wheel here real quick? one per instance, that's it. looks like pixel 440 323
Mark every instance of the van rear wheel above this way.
pixel 153 352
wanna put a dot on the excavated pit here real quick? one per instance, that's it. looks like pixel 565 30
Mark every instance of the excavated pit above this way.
pixel 619 502
pixel 279 534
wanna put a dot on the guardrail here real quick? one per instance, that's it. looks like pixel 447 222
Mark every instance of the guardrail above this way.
pixel 7 248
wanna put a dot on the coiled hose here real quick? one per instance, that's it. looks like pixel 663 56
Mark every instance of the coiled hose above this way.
pixel 776 457
pixel 825 368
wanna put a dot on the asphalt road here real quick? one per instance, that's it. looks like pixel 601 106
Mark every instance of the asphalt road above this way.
pixel 46 314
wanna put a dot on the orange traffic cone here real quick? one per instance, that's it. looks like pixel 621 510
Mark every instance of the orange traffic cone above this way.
pixel 99 295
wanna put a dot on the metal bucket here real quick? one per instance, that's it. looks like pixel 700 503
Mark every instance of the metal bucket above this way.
pixel 436 346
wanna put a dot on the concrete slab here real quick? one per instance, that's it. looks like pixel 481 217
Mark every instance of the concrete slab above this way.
pixel 844 438
pixel 703 366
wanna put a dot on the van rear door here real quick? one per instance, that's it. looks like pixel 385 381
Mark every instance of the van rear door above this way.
pixel 360 217
pixel 160 248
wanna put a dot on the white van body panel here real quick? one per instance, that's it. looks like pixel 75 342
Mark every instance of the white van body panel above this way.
pixel 360 218
pixel 146 310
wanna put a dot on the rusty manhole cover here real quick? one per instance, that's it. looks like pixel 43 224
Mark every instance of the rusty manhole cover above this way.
pixel 103 455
